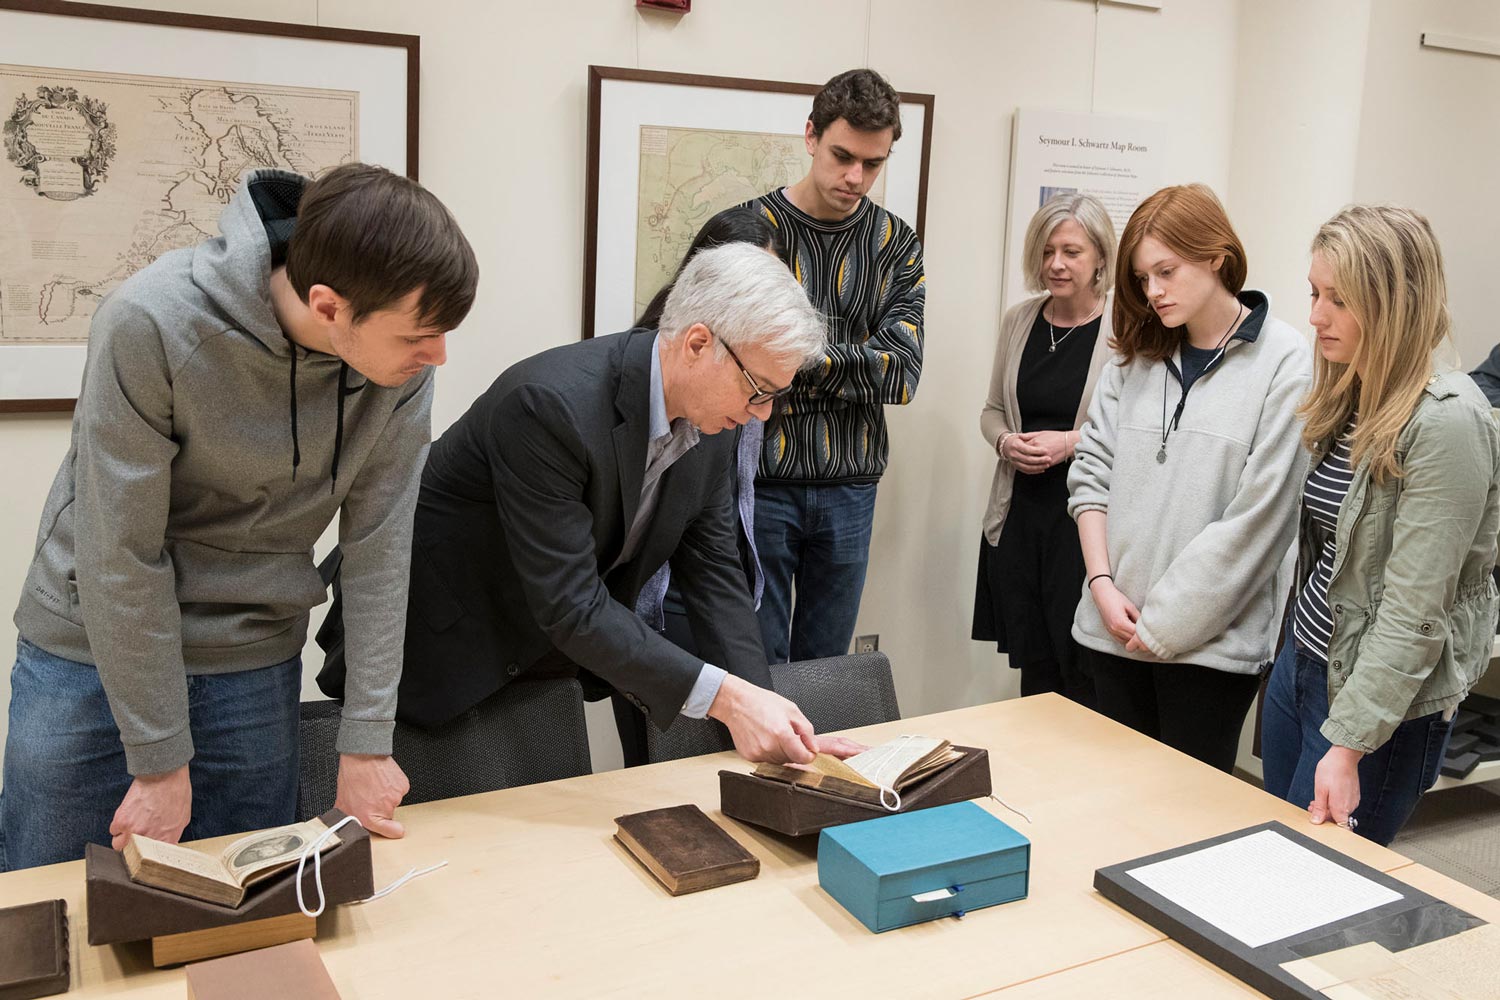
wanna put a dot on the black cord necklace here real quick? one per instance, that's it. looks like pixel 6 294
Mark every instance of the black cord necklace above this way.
pixel 1166 427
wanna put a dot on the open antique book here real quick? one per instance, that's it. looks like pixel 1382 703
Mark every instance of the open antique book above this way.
pixel 222 878
pixel 873 776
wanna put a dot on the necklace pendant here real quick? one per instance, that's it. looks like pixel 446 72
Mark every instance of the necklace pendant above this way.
pixel 1161 456
pixel 1052 349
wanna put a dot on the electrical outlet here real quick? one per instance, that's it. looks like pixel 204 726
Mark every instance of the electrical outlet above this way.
pixel 866 643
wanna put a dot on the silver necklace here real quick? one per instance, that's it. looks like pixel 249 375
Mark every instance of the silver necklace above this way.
pixel 1055 339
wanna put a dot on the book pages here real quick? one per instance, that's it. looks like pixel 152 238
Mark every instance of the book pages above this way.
pixel 1263 887
pixel 183 859
pixel 270 849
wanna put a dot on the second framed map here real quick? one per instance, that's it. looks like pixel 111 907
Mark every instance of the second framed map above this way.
pixel 668 150
pixel 126 132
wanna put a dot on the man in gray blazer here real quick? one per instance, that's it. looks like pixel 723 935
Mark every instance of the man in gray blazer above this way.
pixel 547 507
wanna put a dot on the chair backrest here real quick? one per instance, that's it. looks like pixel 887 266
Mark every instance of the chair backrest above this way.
pixel 527 732
pixel 686 738
pixel 839 692
pixel 318 761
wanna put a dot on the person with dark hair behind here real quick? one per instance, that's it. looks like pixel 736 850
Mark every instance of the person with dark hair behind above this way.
pixel 237 396
pixel 862 269
pixel 660 603
pixel 739 224
pixel 1487 377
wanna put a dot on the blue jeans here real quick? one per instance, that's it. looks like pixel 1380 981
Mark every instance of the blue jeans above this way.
pixel 818 539
pixel 1391 779
pixel 65 766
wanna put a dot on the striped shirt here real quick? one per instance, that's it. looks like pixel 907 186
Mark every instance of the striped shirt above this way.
pixel 1327 485
pixel 865 275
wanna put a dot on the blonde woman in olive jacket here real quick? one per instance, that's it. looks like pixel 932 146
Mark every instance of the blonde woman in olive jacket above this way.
pixel 1395 608
pixel 1049 356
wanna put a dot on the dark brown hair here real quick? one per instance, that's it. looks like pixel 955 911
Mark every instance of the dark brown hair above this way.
pixel 1191 221
pixel 741 224
pixel 863 98
pixel 375 237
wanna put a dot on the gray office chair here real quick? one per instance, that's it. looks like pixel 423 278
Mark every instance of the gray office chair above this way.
pixel 839 692
pixel 527 732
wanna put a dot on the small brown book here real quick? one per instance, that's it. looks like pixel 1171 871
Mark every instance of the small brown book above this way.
pixel 684 849
pixel 34 950
pixel 292 971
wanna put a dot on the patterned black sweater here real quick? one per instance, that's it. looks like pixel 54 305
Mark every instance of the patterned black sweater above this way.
pixel 865 275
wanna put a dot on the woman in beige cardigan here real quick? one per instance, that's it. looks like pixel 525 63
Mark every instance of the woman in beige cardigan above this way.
pixel 1052 347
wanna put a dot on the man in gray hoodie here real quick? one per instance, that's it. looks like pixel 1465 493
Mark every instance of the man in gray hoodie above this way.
pixel 237 396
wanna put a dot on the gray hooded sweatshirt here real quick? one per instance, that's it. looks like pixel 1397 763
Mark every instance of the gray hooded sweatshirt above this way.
pixel 208 455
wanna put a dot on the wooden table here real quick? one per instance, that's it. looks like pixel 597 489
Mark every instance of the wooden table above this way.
pixel 538 900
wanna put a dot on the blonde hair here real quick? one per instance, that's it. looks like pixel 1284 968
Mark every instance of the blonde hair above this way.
pixel 1088 213
pixel 1389 271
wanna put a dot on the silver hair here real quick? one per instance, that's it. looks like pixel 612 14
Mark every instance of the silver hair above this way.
pixel 1088 213
pixel 745 295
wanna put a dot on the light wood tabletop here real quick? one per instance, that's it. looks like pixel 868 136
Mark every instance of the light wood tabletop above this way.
pixel 539 900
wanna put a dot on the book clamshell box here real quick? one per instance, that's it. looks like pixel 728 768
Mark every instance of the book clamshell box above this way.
pixel 909 867
pixel 797 811
pixel 121 910
pixel 34 953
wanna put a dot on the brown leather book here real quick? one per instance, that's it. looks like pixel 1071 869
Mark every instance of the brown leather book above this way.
pixel 292 971
pixel 684 849
pixel 34 950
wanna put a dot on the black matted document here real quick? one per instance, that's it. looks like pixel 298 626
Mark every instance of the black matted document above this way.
pixel 1256 899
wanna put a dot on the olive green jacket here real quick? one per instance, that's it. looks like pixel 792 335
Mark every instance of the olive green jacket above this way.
pixel 1413 599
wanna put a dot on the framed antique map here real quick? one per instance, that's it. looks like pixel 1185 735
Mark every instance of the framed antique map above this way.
pixel 125 132
pixel 668 150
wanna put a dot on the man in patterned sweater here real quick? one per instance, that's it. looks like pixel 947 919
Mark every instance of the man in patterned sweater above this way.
pixel 826 447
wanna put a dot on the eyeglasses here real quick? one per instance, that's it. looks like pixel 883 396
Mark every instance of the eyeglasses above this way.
pixel 757 394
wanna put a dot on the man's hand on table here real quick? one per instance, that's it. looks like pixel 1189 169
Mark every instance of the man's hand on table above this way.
pixel 156 806
pixel 370 789
pixel 838 746
pixel 768 727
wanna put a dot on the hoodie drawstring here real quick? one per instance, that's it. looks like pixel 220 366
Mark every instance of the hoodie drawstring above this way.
pixel 338 430
pixel 296 447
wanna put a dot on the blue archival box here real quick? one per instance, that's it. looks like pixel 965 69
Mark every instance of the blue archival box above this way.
pixel 909 867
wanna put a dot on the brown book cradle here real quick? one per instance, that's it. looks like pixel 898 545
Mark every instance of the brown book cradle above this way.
pixel 183 929
pixel 797 810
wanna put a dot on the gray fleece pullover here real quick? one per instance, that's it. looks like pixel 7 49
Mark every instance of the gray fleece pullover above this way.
pixel 208 455
pixel 1202 543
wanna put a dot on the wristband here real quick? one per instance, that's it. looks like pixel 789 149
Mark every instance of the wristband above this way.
pixel 1098 576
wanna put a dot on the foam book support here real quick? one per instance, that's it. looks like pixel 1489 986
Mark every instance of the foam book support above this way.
pixel 909 867
pixel 122 910
pixel 796 811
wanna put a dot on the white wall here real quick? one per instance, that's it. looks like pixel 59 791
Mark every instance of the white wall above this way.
pixel 1296 135
pixel 1430 139
pixel 502 142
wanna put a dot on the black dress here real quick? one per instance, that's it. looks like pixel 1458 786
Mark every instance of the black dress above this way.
pixel 1030 582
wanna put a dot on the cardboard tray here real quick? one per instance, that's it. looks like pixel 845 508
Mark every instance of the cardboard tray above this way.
pixel 121 910
pixel 796 810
